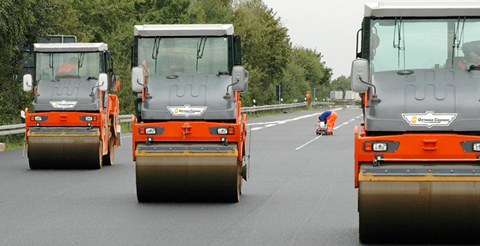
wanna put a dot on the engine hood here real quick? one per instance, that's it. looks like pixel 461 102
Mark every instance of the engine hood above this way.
pixel 70 94
pixel 436 100
pixel 192 97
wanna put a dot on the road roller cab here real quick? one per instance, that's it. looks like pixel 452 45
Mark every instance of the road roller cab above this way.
pixel 74 119
pixel 188 131
pixel 417 153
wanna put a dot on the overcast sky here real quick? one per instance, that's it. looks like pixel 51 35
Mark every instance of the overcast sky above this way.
pixel 329 26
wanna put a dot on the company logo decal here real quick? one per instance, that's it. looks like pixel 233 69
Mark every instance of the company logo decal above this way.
pixel 63 104
pixel 429 119
pixel 187 110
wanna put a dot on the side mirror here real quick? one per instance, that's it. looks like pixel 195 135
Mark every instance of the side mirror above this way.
pixel 103 82
pixel 239 78
pixel 27 82
pixel 138 79
pixel 359 78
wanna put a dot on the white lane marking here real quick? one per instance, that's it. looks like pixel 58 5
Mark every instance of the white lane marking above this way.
pixel 268 124
pixel 309 142
pixel 281 121
pixel 273 123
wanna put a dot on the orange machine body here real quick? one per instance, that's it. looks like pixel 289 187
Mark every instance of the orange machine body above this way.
pixel 192 132
pixel 102 119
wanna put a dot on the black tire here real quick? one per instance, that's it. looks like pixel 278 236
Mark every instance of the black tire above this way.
pixel 34 166
pixel 99 164
pixel 108 158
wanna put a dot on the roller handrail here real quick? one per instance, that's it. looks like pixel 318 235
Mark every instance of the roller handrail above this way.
pixel 20 128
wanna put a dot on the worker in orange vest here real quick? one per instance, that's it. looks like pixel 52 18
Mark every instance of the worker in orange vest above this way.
pixel 329 117
pixel 144 65
pixel 69 67
pixel 471 51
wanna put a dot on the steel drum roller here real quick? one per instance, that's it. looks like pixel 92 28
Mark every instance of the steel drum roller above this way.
pixel 188 173
pixel 64 148
pixel 420 211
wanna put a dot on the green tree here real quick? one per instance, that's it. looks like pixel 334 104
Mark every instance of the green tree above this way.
pixel 304 72
pixel 316 72
pixel 211 11
pixel 294 83
pixel 341 83
pixel 162 11
pixel 266 48
pixel 21 23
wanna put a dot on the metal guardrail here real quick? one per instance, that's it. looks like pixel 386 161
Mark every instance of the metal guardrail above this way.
pixel 20 128
pixel 264 108
pixel 12 129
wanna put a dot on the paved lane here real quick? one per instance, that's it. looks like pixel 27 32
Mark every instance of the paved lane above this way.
pixel 300 192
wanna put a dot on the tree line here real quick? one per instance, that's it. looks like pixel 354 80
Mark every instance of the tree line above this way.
pixel 268 53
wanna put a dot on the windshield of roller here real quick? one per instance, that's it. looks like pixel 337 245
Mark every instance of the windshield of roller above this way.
pixel 186 55
pixel 69 65
pixel 404 44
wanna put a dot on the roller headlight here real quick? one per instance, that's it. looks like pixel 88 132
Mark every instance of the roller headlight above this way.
pixel 222 130
pixel 88 118
pixel 476 146
pixel 150 131
pixel 380 147
pixel 38 118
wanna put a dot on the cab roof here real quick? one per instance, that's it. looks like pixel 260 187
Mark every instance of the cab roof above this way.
pixel 70 47
pixel 183 30
pixel 422 9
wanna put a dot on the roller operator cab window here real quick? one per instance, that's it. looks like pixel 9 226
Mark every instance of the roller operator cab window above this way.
pixel 69 65
pixel 407 44
pixel 188 55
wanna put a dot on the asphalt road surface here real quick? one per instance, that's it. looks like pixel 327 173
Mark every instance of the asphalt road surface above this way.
pixel 300 192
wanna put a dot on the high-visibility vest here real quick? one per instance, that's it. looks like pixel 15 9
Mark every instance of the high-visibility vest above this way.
pixel 66 68
pixel 145 68
pixel 463 65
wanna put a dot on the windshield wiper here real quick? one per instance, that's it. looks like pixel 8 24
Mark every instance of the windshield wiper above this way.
pixel 398 42
pixel 80 62
pixel 156 46
pixel 200 50
pixel 457 36
pixel 50 61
